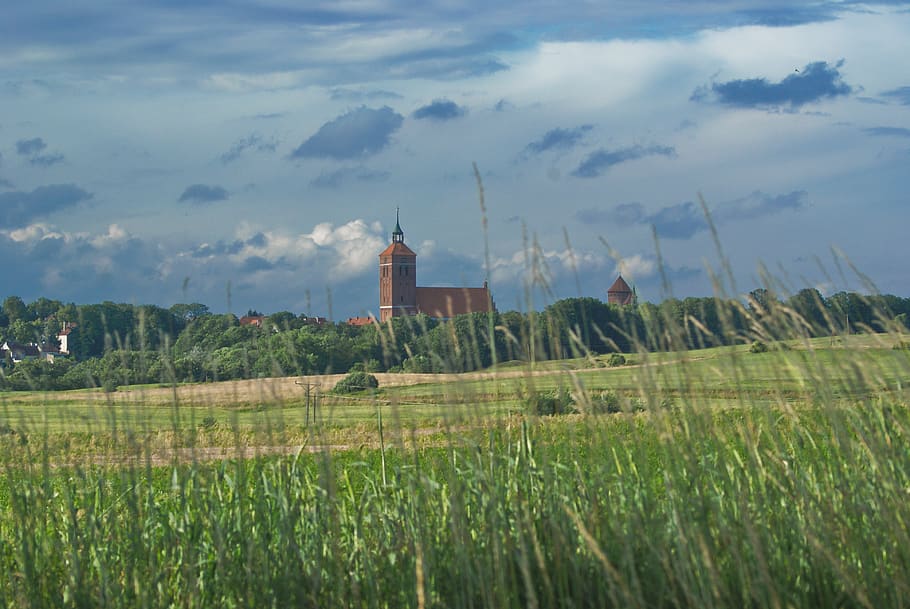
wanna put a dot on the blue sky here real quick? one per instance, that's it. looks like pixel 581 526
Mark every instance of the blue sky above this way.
pixel 252 155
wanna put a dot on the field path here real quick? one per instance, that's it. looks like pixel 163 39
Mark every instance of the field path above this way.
pixel 284 389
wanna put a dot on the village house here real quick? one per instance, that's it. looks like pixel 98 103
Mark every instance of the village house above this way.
pixel 18 352
pixel 252 320
pixel 63 337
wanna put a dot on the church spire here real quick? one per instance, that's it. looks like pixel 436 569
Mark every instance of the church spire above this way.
pixel 397 234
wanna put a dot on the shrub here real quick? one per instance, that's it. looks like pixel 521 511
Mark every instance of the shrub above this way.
pixel 356 381
pixel 758 347
pixel 109 385
pixel 418 364
pixel 616 359
pixel 370 365
pixel 609 402
pixel 546 403
pixel 606 402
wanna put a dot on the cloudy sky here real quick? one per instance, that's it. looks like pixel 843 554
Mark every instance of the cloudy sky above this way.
pixel 252 154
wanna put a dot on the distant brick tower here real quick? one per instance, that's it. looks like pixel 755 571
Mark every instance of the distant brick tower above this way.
pixel 397 278
pixel 620 293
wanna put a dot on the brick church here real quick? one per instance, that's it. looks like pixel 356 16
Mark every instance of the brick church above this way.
pixel 399 294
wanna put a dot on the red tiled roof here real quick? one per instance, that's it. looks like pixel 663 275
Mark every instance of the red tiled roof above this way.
pixel 397 249
pixel 449 302
pixel 360 321
pixel 252 320
pixel 619 285
pixel 620 293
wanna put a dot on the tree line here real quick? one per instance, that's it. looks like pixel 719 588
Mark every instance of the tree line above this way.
pixel 114 344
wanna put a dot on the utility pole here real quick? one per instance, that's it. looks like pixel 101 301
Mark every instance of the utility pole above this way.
pixel 312 396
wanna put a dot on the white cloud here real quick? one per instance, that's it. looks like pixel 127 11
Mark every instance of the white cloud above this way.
pixel 636 267
pixel 33 232
pixel 115 234
pixel 549 265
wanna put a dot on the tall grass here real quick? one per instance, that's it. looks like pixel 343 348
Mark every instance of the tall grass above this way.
pixel 727 478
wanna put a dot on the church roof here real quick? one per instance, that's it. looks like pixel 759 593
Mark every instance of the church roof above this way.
pixel 619 285
pixel 397 230
pixel 449 302
pixel 397 248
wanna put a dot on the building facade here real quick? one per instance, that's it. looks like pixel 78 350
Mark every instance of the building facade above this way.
pixel 397 278
pixel 400 296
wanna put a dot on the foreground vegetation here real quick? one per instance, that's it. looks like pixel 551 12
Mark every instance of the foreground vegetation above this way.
pixel 750 507
pixel 732 475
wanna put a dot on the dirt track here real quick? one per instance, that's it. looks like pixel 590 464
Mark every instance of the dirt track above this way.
pixel 283 389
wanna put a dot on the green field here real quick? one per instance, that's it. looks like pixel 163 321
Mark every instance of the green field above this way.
pixel 718 478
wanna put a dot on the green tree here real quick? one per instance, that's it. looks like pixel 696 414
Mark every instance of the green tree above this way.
pixel 811 306
pixel 851 312
pixel 102 327
pixel 209 332
pixel 282 320
pixel 577 325
pixel 760 302
pixel 23 331
pixel 189 312
pixel 43 308
pixel 15 309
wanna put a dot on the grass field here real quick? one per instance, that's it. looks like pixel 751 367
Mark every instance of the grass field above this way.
pixel 726 478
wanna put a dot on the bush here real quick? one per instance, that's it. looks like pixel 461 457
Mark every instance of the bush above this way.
pixel 546 403
pixel 616 359
pixel 758 347
pixel 356 381
pixel 109 385
pixel 370 365
pixel 418 364
pixel 605 403
pixel 609 402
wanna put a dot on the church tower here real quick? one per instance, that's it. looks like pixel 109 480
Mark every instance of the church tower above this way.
pixel 397 277
pixel 620 293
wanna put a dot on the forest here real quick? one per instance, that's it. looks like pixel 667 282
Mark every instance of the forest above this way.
pixel 113 344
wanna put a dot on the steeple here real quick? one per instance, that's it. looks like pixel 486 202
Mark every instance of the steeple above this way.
pixel 397 234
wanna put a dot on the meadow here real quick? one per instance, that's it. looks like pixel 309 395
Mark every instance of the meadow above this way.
pixel 690 478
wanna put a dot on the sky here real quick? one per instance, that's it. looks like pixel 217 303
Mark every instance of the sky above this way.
pixel 252 155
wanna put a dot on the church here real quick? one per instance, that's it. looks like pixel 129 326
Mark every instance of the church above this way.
pixel 399 294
